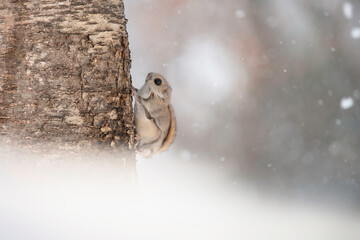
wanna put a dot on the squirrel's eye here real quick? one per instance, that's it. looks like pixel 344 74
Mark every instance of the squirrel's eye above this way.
pixel 157 81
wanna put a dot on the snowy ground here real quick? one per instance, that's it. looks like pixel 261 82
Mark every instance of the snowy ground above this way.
pixel 173 199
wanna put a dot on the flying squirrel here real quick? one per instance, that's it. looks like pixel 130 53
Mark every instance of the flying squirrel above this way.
pixel 154 116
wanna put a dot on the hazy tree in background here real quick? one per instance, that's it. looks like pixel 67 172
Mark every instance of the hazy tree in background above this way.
pixel 64 76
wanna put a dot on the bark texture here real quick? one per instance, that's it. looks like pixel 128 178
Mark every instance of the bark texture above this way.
pixel 65 75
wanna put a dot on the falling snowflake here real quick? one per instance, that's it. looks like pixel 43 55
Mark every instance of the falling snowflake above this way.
pixel 355 33
pixel 347 103
pixel 348 10
pixel 356 94
pixel 240 14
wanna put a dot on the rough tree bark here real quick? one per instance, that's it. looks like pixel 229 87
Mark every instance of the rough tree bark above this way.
pixel 65 76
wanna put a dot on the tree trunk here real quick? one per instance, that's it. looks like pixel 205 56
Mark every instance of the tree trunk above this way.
pixel 65 76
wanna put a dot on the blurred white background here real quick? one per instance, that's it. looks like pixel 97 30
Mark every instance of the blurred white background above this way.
pixel 266 91
pixel 266 94
pixel 173 199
